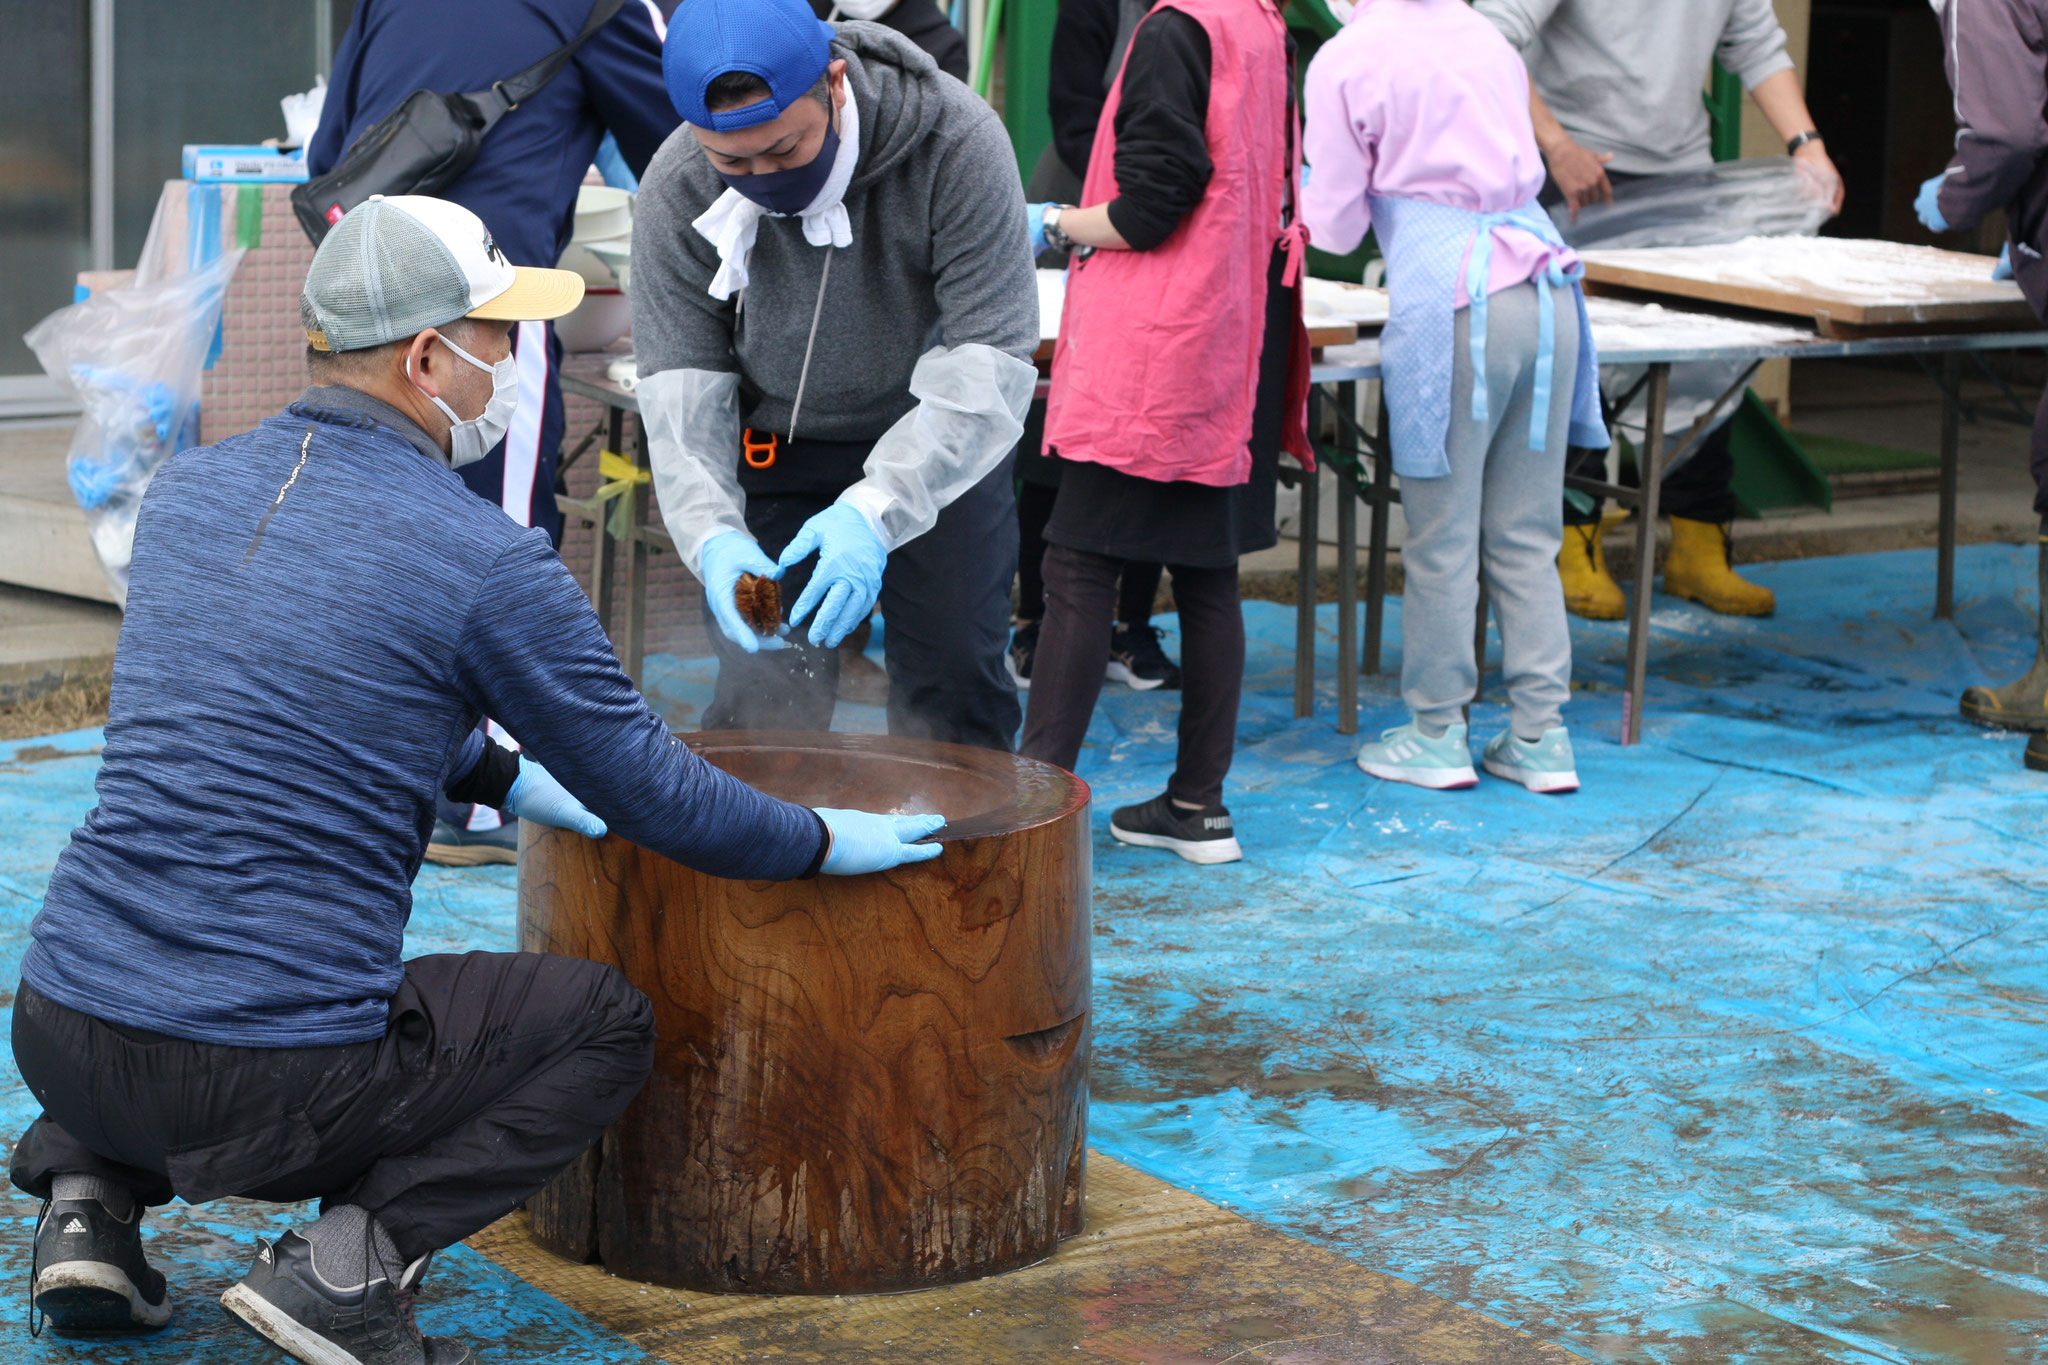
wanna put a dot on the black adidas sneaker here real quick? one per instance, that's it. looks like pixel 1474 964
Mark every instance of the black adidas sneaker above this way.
pixel 91 1277
pixel 284 1300
pixel 1200 836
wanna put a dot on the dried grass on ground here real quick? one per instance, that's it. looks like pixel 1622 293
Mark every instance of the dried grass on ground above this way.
pixel 74 704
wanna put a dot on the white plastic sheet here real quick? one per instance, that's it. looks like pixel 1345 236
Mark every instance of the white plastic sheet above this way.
pixel 133 357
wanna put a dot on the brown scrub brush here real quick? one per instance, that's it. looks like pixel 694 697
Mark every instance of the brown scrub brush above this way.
pixel 760 603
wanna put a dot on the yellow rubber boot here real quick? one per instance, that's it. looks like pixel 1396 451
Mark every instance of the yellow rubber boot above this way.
pixel 1698 570
pixel 1589 590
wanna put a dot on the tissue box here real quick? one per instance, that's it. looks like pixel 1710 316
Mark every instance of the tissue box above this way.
pixel 243 165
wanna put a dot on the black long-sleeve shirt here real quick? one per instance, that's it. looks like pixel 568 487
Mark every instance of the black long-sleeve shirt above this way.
pixel 1162 140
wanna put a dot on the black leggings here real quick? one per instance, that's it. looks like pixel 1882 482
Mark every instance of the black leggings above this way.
pixel 1073 651
pixel 1136 590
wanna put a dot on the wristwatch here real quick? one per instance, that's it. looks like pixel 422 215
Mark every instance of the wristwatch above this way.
pixel 1054 238
pixel 1794 144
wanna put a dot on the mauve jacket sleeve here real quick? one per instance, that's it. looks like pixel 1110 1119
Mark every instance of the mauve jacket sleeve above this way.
pixel 1996 52
pixel 534 659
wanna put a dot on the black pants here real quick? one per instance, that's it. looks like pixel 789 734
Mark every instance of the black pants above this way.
pixel 1073 650
pixel 497 1070
pixel 945 597
pixel 1697 490
pixel 1137 586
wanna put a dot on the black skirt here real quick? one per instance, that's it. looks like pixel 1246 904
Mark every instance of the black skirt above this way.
pixel 1107 512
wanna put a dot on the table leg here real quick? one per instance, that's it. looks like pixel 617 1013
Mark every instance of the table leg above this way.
pixel 1650 469
pixel 1305 596
pixel 601 580
pixel 1347 602
pixel 1951 459
pixel 1376 557
pixel 633 629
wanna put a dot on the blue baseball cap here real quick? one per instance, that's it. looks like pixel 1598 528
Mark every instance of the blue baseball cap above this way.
pixel 781 41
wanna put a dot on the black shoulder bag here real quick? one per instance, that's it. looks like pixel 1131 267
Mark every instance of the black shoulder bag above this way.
pixel 426 142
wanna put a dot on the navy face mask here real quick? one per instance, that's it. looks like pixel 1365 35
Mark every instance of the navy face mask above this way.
pixel 790 191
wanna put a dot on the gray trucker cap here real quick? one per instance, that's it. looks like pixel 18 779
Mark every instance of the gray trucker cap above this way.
pixel 396 265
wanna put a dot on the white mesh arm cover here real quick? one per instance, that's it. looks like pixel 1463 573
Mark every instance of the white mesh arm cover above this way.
pixel 693 443
pixel 971 402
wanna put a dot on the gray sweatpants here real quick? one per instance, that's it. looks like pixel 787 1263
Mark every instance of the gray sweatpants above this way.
pixel 1499 503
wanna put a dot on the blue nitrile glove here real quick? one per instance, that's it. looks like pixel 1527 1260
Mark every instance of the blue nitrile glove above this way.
pixel 1927 204
pixel 2003 269
pixel 865 842
pixel 536 796
pixel 723 559
pixel 848 578
pixel 1034 216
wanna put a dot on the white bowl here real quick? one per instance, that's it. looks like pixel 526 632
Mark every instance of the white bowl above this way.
pixel 602 212
pixel 595 323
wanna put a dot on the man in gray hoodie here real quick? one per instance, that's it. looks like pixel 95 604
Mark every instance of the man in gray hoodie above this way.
pixel 833 311
pixel 1615 95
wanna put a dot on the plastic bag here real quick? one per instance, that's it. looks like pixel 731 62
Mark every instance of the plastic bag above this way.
pixel 302 113
pixel 133 357
pixel 1771 196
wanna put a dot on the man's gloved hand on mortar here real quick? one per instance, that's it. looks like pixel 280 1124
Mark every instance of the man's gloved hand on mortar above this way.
pixel 848 579
pixel 1927 204
pixel 536 796
pixel 723 559
pixel 865 842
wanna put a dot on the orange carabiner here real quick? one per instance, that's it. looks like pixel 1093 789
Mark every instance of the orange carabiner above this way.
pixel 759 454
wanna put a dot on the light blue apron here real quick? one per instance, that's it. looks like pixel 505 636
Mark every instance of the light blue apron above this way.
pixel 1423 244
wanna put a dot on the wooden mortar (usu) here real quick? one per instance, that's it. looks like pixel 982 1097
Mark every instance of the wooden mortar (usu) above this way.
pixel 861 1083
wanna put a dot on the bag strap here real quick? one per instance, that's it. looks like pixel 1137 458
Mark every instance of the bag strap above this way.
pixel 502 97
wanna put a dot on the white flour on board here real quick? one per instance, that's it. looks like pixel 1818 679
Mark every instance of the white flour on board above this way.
pixel 1871 274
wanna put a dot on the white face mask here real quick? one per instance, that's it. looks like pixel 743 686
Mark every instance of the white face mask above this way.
pixel 863 9
pixel 469 441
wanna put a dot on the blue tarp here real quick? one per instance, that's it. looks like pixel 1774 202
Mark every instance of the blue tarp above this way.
pixel 1737 1054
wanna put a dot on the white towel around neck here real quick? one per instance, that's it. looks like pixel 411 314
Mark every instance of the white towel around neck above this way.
pixel 733 219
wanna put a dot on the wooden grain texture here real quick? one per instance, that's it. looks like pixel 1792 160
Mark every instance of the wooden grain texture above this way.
pixel 861 1083
pixel 1159 1276
pixel 1948 290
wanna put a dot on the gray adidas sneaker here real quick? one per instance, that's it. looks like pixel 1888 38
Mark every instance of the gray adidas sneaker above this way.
pixel 284 1300
pixel 91 1278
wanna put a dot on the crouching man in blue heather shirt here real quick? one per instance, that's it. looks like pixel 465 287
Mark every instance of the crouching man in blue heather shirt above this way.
pixel 214 1003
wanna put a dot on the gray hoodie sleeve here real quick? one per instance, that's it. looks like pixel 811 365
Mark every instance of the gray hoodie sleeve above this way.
pixel 1518 20
pixel 676 323
pixel 1752 45
pixel 985 284
pixel 1996 52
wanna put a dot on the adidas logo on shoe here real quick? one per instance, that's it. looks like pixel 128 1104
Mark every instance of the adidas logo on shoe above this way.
pixel 263 1252
pixel 74 1225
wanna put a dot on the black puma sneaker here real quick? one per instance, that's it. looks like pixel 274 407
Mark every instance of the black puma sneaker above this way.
pixel 284 1300
pixel 1200 836
pixel 91 1277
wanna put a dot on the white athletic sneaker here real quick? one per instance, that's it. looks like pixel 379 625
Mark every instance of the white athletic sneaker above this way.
pixel 1405 754
pixel 1545 766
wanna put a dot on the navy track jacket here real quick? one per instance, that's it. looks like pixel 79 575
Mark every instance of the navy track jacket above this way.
pixel 317 615
pixel 523 181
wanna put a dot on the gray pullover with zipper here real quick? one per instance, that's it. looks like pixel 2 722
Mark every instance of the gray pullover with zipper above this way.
pixel 940 258
pixel 1625 76
pixel 940 253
